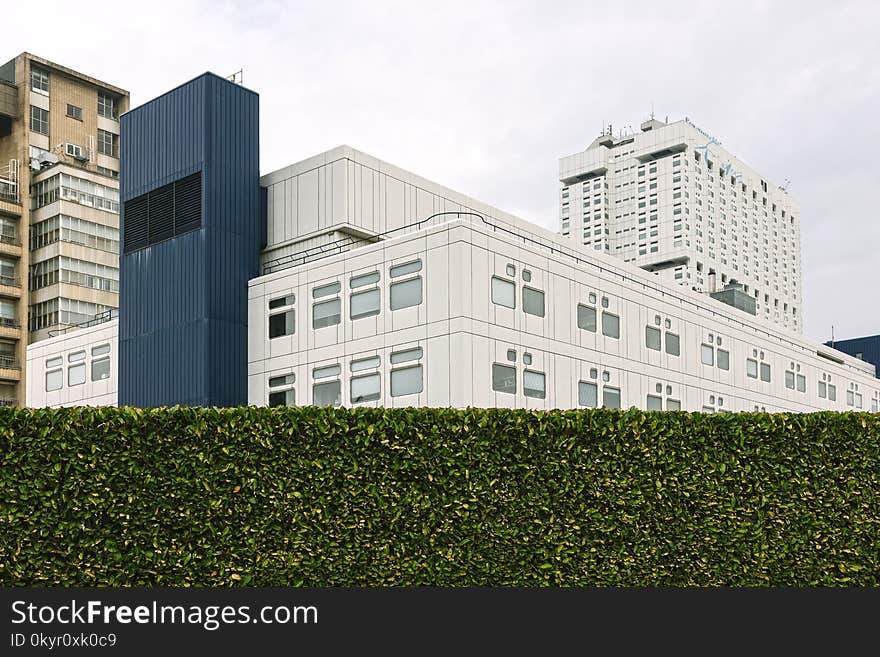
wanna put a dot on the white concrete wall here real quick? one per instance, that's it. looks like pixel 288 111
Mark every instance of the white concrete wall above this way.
pixel 462 332
pixel 100 392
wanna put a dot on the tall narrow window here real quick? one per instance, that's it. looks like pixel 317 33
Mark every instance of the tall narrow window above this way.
pixel 652 338
pixel 707 354
pixel 751 368
pixel 533 301
pixel 723 359
pixel 673 344
pixel 765 372
pixel 39 120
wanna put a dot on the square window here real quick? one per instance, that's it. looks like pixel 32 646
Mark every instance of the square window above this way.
pixel 76 374
pixel 533 301
pixel 365 304
pixel 586 318
pixel 365 388
pixel 282 398
pixel 326 313
pixel 610 325
pixel 327 394
pixel 406 381
pixel 655 403
pixel 610 397
pixel 406 293
pixel 54 380
pixel 652 338
pixel 100 369
pixel 588 394
pixel 503 378
pixel 503 292
pixel 281 324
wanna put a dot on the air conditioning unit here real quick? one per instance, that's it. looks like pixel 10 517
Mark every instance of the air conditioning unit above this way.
pixel 75 151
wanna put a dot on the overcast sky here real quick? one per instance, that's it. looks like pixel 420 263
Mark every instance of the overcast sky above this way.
pixel 484 97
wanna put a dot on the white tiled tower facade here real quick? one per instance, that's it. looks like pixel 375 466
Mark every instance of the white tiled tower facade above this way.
pixel 673 201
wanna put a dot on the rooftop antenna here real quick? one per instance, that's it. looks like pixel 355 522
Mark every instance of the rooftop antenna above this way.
pixel 652 110
pixel 784 186
pixel 832 336
pixel 237 77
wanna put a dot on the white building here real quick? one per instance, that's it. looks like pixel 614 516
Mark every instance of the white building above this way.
pixel 77 368
pixel 671 200
pixel 370 297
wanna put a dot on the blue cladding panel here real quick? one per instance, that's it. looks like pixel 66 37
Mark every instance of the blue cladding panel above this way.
pixel 183 302
pixel 868 347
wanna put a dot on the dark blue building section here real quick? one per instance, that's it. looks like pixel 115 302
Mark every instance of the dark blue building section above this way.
pixel 190 233
pixel 868 349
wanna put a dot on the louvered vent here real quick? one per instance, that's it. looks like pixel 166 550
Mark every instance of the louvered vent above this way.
pixel 163 213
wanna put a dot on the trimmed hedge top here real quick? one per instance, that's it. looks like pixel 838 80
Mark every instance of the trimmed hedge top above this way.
pixel 386 497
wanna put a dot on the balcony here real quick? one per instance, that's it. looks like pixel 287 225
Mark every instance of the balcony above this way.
pixel 10 328
pixel 10 370
pixel 10 286
pixel 10 244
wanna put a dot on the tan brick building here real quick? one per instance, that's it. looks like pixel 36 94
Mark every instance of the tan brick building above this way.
pixel 59 206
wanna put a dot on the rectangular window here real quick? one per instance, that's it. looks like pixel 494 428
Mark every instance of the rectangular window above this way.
pixel 822 390
pixel 406 293
pixel 801 383
pixel 108 106
pixel 108 143
pixel 326 313
pixel 406 268
pixel 326 371
pixel 588 394
pixel 832 392
pixel 503 292
pixel 673 405
pixel 74 112
pixel 610 325
pixel 707 354
pixel 365 304
pixel 503 378
pixel 365 388
pixel 723 359
pixel 405 356
pixel 39 80
pixel 533 301
pixel 327 394
pixel 54 380
pixel 76 374
pixel 655 403
pixel 534 384
pixel 765 372
pixel 751 368
pixel 364 280
pixel 282 324
pixel 39 120
pixel 100 350
pixel 673 344
pixel 284 380
pixel 652 338
pixel 406 381
pixel 610 397
pixel 586 318
pixel 326 290
pixel 281 302
pixel 789 379
pixel 100 369
pixel 849 398
pixel 282 398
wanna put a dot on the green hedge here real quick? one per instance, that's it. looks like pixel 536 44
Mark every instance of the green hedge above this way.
pixel 377 497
